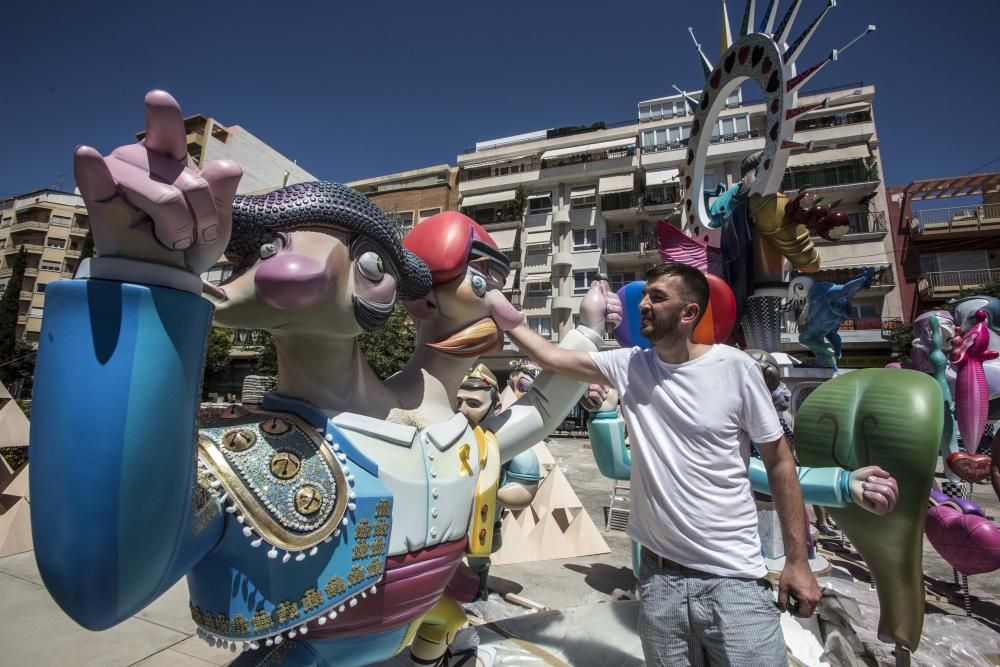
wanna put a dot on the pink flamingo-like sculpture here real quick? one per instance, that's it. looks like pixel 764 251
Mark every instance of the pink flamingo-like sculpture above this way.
pixel 969 351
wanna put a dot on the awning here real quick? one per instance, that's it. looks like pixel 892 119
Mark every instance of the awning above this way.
pixel 540 237
pixel 488 198
pixel 499 160
pixel 544 275
pixel 834 110
pixel 661 176
pixel 588 148
pixel 578 193
pixel 855 152
pixel 539 195
pixel 620 183
pixel 504 238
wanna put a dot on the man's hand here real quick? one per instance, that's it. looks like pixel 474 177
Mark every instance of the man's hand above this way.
pixel 798 591
pixel 601 309
pixel 145 201
pixel 874 489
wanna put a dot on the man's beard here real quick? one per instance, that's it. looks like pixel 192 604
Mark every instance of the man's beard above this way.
pixel 472 341
pixel 661 327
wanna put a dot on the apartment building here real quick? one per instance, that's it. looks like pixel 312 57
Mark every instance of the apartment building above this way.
pixel 52 227
pixel 945 250
pixel 264 168
pixel 413 195
pixel 593 195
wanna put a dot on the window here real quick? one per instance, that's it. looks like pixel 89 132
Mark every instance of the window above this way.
pixel 618 281
pixel 582 280
pixel 536 258
pixel 584 239
pixel 405 220
pixel 580 198
pixel 541 326
pixel 735 99
pixel 427 212
pixel 60 220
pixel 3 243
pixel 540 203
pixel 661 110
pixel 55 243
pixel 537 289
pixel 35 312
pixel 50 266
pixel 40 288
pixel 218 274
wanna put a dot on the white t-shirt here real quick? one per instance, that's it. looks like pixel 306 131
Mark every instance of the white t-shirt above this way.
pixel 690 426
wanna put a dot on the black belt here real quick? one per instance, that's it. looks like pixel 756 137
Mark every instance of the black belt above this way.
pixel 666 563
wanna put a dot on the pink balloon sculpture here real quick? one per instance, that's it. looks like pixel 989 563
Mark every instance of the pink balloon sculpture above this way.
pixel 962 536
pixel 972 396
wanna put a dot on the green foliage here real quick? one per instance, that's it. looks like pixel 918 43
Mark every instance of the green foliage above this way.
pixel 88 246
pixel 993 289
pixel 520 199
pixel 267 354
pixel 900 339
pixel 387 349
pixel 9 310
pixel 15 456
pixel 217 355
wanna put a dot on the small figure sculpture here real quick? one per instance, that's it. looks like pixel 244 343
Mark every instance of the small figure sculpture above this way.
pixel 824 307
pixel 968 352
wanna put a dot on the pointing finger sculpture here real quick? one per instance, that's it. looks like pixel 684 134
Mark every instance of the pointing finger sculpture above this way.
pixel 893 419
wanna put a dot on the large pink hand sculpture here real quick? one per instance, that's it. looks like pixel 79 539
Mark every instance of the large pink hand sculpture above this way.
pixel 972 397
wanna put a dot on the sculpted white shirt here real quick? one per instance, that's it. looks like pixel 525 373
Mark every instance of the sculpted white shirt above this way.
pixel 690 426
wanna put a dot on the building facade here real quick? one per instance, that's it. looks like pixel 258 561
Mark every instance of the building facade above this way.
pixel 51 226
pixel 945 251
pixel 413 195
pixel 592 197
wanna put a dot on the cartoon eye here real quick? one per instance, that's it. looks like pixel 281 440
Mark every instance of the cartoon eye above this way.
pixel 272 248
pixel 370 265
pixel 478 285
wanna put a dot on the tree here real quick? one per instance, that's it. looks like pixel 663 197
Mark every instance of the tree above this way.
pixel 217 355
pixel 992 289
pixel 901 339
pixel 88 246
pixel 267 354
pixel 387 349
pixel 10 309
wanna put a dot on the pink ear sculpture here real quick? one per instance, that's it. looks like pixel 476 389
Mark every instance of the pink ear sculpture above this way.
pixel 972 396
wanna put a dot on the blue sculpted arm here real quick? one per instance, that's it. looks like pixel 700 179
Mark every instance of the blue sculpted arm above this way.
pixel 820 486
pixel 607 440
pixel 115 516
pixel 849 289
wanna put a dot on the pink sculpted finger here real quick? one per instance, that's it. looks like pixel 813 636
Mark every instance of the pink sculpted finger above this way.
pixel 93 176
pixel 165 126
pixel 199 198
pixel 172 223
pixel 223 178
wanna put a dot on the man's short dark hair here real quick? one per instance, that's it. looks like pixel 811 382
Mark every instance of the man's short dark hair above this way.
pixel 693 283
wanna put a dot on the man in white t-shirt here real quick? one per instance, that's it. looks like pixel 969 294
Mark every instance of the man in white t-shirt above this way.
pixel 692 411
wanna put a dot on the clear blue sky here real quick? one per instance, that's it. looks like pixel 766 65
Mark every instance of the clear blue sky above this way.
pixel 352 90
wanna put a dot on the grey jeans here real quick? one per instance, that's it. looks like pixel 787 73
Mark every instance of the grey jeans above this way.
pixel 690 618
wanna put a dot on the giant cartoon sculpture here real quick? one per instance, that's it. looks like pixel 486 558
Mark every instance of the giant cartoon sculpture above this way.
pixel 746 232
pixel 327 527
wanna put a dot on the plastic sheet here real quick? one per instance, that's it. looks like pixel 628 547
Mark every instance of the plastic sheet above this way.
pixel 852 613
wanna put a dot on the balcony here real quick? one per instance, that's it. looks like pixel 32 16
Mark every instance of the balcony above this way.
pixel 659 197
pixel 623 248
pixel 26 295
pixel 863 331
pixel 76 230
pixel 942 285
pixel 562 258
pixel 618 205
pixel 31 248
pixel 955 222
pixel 29 225
pixel 73 254
pixel 882 282
pixel 864 227
pixel 831 177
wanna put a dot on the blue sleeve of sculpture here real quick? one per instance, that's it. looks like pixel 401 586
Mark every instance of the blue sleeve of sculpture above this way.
pixel 113 434
pixel 820 486
pixel 607 439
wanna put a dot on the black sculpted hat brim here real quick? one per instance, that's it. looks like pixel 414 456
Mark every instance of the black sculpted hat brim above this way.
pixel 257 218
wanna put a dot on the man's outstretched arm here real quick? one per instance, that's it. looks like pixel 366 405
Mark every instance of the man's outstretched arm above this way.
pixel 573 364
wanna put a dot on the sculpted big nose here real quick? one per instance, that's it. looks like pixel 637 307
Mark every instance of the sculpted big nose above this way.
pixel 289 281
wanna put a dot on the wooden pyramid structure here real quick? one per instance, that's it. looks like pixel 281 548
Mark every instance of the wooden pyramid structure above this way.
pixel 15 508
pixel 555 525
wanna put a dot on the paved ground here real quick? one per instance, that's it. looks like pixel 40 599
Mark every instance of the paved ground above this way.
pixel 33 631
